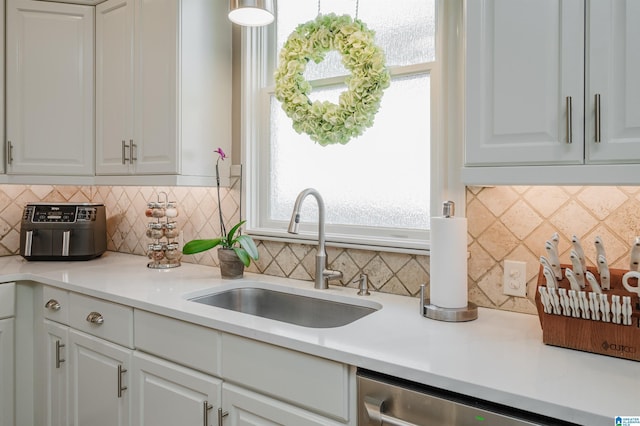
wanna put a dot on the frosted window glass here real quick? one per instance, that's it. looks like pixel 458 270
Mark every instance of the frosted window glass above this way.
pixel 379 179
pixel 404 30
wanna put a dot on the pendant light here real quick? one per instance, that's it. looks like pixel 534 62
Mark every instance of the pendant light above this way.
pixel 251 13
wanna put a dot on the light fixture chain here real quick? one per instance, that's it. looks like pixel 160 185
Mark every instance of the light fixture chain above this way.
pixel 318 7
pixel 357 7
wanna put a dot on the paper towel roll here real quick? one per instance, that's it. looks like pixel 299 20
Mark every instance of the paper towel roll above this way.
pixel 448 256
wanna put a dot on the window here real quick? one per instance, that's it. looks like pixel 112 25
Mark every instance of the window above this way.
pixel 376 188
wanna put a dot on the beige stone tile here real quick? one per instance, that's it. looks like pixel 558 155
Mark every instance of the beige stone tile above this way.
pixel 480 262
pixel 301 274
pixel 601 201
pixel 546 199
pixel 395 261
pixel 497 199
pixel 536 240
pixel 394 286
pixel 286 260
pixel 521 219
pixel 477 296
pixel 378 272
pixel 519 304
pixel 41 191
pixel 412 275
pixel 498 241
pixel 573 219
pixel 347 266
pixel 479 218
pixel 274 270
pixel 617 250
pixel 362 257
pixel 13 191
pixel 491 286
pixel 626 220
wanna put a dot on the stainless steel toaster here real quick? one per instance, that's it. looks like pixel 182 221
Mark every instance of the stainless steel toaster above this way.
pixel 63 231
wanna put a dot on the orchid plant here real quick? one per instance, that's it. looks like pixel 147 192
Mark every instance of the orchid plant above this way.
pixel 243 245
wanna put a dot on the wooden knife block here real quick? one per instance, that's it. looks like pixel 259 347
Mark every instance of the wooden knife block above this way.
pixel 606 338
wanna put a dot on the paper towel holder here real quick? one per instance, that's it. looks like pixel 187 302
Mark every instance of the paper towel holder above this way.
pixel 446 314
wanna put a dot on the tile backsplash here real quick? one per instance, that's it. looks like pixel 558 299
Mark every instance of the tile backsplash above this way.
pixel 505 222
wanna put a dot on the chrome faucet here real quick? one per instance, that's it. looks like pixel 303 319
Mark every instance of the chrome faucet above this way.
pixel 323 275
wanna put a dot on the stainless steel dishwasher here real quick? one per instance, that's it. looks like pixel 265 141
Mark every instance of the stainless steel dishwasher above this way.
pixel 388 401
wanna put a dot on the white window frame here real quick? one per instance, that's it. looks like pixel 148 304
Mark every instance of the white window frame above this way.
pixel 259 61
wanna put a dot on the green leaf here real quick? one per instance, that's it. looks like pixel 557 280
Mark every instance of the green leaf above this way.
pixel 243 255
pixel 197 246
pixel 231 233
pixel 249 245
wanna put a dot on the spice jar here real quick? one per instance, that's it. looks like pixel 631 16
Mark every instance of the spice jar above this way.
pixel 171 210
pixel 172 251
pixel 155 231
pixel 171 230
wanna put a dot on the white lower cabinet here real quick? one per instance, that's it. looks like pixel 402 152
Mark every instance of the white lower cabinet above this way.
pixel 56 374
pixel 106 364
pixel 7 348
pixel 100 381
pixel 246 408
pixel 168 394
pixel 6 372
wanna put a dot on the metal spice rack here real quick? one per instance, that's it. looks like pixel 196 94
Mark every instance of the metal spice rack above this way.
pixel 605 338
pixel 164 252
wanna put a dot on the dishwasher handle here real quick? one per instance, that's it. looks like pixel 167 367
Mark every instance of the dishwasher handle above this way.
pixel 375 411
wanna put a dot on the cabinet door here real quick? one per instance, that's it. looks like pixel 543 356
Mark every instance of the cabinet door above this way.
pixel 6 372
pixel 50 88
pixel 2 7
pixel 245 408
pixel 167 394
pixel 156 131
pixel 100 372
pixel 524 62
pixel 114 86
pixel 56 374
pixel 613 67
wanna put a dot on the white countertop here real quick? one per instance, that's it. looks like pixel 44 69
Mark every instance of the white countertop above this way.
pixel 499 357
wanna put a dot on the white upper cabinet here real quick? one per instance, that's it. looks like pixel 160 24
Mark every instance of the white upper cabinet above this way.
pixel 524 66
pixel 613 80
pixel 114 86
pixel 163 88
pixel 50 102
pixel 2 79
pixel 543 88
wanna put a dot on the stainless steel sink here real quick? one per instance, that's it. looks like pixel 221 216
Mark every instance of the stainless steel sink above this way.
pixel 286 307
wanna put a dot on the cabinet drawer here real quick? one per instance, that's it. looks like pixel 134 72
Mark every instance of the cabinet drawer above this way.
pixel 111 321
pixel 55 304
pixel 314 383
pixel 7 300
pixel 185 343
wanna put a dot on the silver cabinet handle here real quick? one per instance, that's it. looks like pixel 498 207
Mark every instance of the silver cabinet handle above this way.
pixel 598 123
pixel 9 152
pixel 132 151
pixel 221 415
pixel 569 120
pixel 124 152
pixel 121 388
pixel 66 237
pixel 95 318
pixel 28 237
pixel 206 407
pixel 53 305
pixel 375 407
pixel 59 360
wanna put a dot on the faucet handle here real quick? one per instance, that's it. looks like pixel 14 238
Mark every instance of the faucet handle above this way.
pixel 363 287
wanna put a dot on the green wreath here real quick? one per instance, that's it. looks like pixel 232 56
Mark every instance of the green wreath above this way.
pixel 325 122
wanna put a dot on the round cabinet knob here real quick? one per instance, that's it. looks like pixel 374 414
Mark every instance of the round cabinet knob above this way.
pixel 95 318
pixel 53 305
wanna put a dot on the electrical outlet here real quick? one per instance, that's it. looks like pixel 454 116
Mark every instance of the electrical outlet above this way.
pixel 515 278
